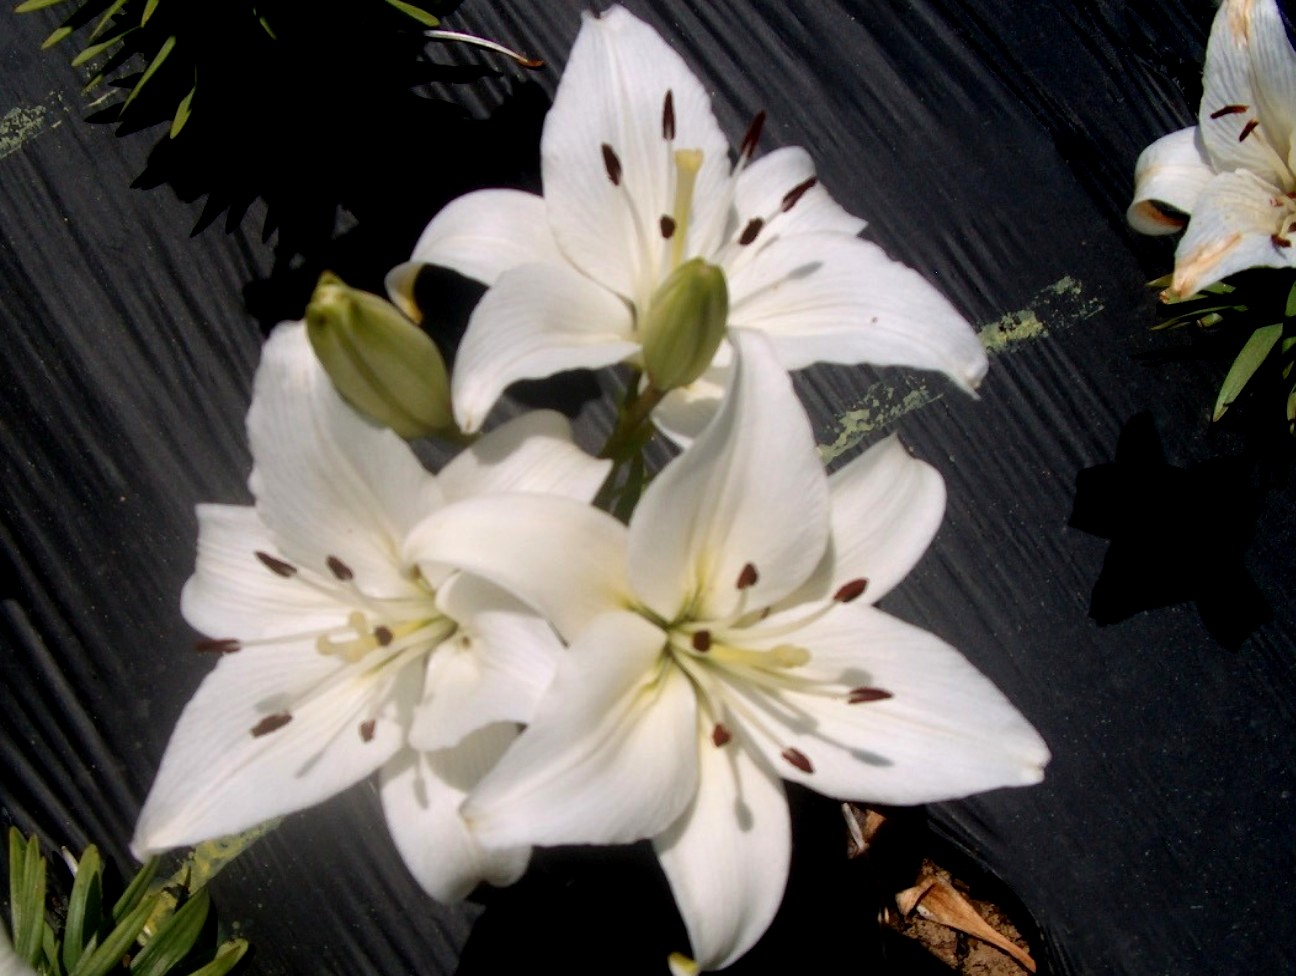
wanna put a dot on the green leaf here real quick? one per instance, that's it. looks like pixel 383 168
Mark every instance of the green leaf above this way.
pixel 29 5
pixel 418 13
pixel 109 953
pixel 226 959
pixel 149 8
pixel 1290 311
pixel 26 894
pixel 136 890
pixel 85 907
pixel 54 38
pixel 265 26
pixel 183 111
pixel 1197 315
pixel 174 939
pixel 167 47
pixel 50 950
pixel 107 16
pixel 94 50
pixel 1254 353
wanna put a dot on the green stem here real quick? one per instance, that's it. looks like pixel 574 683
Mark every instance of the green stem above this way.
pixel 624 439
pixel 624 448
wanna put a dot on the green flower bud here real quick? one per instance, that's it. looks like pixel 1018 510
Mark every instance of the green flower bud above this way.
pixel 379 361
pixel 685 324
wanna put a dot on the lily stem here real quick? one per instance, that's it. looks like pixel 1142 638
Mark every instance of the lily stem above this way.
pixel 624 448
pixel 625 438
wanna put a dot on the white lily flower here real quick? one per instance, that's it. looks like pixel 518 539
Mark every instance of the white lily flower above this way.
pixel 338 656
pixel 12 964
pixel 723 642
pixel 637 181
pixel 1235 171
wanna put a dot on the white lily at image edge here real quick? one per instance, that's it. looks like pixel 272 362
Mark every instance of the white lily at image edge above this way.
pixel 724 641
pixel 1235 171
pixel 338 657
pixel 637 183
pixel 12 964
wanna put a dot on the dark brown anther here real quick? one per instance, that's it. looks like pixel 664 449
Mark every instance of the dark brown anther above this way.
pixel 720 735
pixel 797 192
pixel 612 163
pixel 227 646
pixel 1247 129
pixel 1279 240
pixel 747 577
pixel 276 565
pixel 798 759
pixel 702 641
pixel 667 226
pixel 382 635
pixel 367 729
pixel 851 591
pixel 859 696
pixel 1219 113
pixel 270 723
pixel 668 116
pixel 750 231
pixel 753 136
pixel 339 569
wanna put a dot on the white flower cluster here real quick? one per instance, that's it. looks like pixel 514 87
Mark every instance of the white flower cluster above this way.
pixel 1234 173
pixel 520 667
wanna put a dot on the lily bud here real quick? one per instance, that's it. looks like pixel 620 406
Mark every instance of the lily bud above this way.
pixel 685 324
pixel 379 361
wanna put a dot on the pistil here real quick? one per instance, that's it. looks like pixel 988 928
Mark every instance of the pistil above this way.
pixel 687 164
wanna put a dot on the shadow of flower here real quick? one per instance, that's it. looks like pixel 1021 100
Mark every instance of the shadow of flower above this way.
pixel 1177 535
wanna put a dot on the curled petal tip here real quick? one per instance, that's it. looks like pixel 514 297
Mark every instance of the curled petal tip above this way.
pixel 681 965
pixel 400 289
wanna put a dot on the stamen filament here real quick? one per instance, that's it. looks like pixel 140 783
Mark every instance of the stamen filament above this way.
pixel 761 631
pixel 487 44
pixel 718 704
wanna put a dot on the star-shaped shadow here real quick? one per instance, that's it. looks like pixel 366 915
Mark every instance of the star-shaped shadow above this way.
pixel 1177 535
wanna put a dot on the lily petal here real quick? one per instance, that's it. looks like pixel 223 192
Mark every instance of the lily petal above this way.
pixel 218 777
pixel 481 235
pixel 327 482
pixel 727 857
pixel 232 593
pixel 1169 177
pixel 829 298
pixel 724 504
pixel 12 964
pixel 613 93
pixel 1234 227
pixel 1246 118
pixel 563 558
pixel 538 319
pixel 1273 62
pixel 611 755
pixel 886 508
pixel 421 794
pixel 494 669
pixel 531 453
pixel 945 733
pixel 764 184
pixel 685 411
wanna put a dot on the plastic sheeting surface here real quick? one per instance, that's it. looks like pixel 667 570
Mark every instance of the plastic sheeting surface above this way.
pixel 991 146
